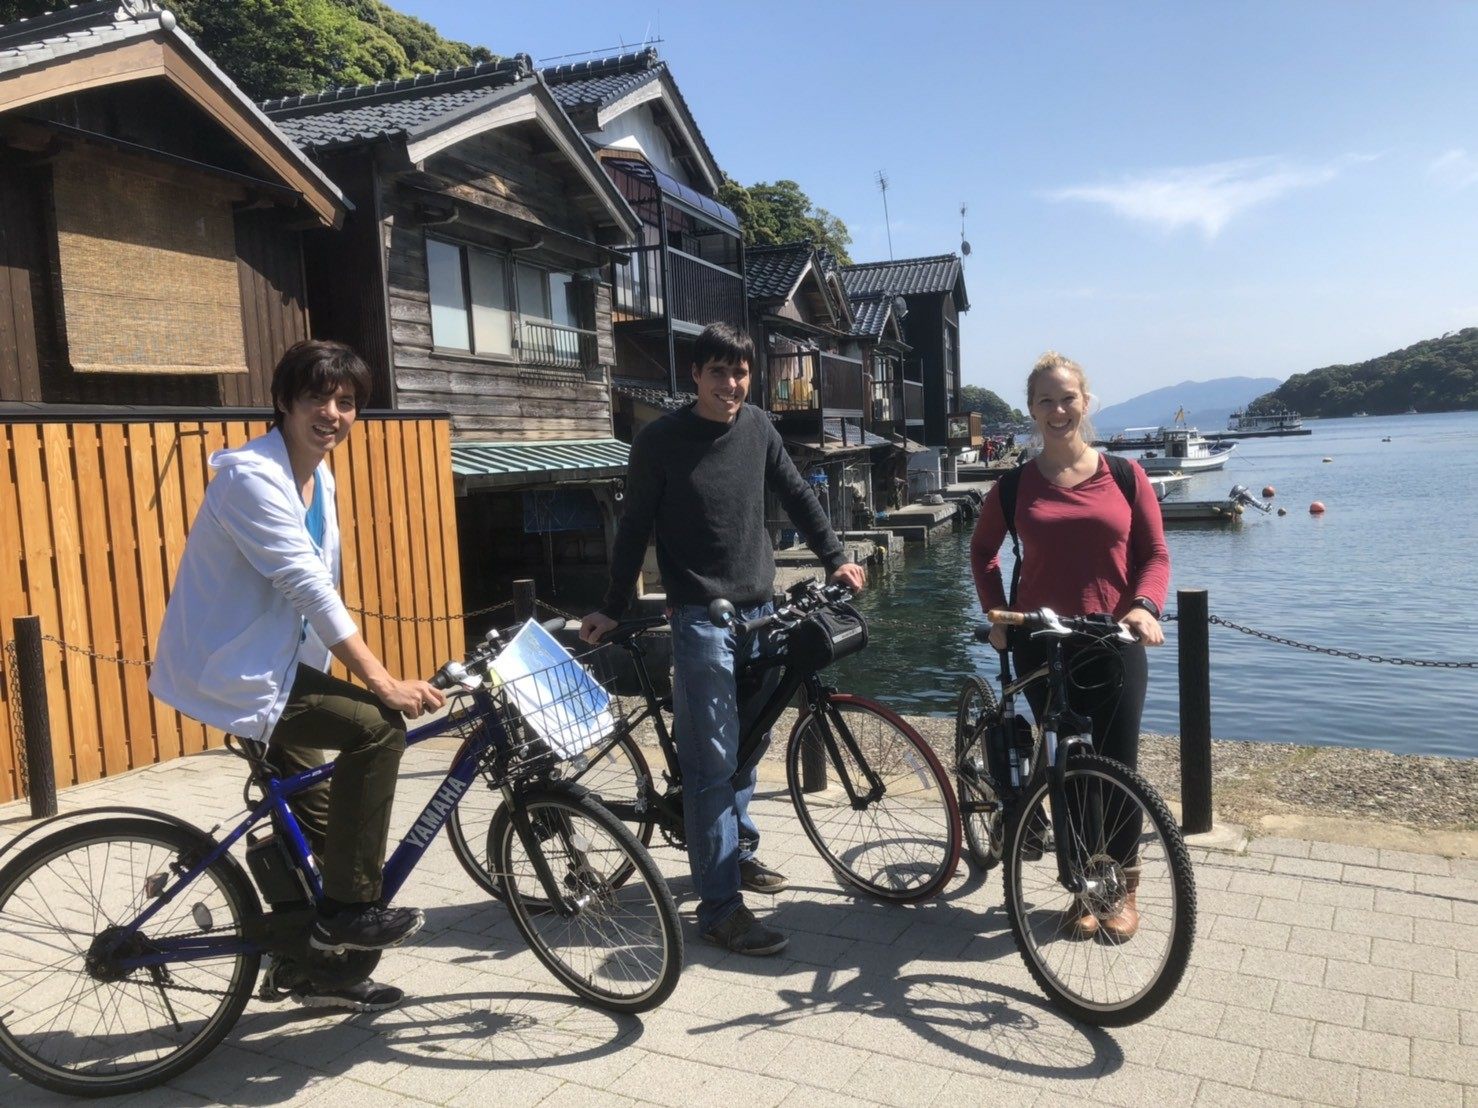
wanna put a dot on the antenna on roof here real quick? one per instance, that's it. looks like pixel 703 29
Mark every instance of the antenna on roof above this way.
pixel 964 242
pixel 882 179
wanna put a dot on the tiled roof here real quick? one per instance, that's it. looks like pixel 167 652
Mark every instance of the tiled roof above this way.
pixel 600 82
pixel 832 429
pixel 363 113
pixel 907 276
pixel 771 272
pixel 655 397
pixel 102 23
pixel 28 42
pixel 871 313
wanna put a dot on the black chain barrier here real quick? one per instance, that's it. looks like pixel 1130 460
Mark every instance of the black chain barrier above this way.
pixel 1335 652
pixel 17 718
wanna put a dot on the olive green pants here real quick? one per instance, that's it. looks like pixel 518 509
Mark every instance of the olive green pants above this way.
pixel 346 818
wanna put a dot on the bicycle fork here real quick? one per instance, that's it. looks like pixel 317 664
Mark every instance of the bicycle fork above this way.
pixel 568 903
pixel 1069 834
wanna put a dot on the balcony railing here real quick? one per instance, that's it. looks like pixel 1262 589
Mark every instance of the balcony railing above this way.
pixel 701 293
pixel 913 401
pixel 843 384
pixel 543 343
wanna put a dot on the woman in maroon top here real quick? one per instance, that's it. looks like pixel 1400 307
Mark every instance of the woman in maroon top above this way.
pixel 1084 550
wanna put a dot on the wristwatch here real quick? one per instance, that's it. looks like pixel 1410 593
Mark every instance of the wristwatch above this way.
pixel 1147 604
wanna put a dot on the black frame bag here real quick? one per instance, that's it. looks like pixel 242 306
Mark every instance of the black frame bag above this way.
pixel 823 637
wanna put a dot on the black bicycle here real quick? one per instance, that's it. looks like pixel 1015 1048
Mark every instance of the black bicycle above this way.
pixel 872 796
pixel 131 942
pixel 1081 836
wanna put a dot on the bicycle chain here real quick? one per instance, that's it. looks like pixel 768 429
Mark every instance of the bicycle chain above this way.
pixel 1335 652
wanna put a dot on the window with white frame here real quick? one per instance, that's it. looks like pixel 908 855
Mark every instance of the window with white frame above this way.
pixel 487 303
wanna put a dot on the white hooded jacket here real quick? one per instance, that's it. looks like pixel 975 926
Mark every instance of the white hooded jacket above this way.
pixel 250 582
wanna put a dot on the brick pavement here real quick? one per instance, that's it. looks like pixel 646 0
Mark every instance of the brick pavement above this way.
pixel 1322 974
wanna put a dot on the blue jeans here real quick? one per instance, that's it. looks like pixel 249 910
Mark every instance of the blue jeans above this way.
pixel 706 723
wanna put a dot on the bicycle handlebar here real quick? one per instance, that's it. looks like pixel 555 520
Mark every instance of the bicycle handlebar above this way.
pixel 805 598
pixel 1044 621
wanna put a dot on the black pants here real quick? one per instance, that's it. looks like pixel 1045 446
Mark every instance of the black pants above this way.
pixel 347 818
pixel 1107 683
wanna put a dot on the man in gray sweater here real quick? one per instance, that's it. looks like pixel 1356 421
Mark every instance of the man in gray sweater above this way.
pixel 697 479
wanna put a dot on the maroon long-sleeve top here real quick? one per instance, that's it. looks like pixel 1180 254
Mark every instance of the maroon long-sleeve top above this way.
pixel 1083 548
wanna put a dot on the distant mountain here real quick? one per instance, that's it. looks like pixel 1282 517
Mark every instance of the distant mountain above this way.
pixel 1435 375
pixel 1207 404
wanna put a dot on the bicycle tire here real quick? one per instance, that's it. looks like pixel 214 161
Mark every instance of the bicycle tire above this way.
pixel 1043 914
pixel 868 847
pixel 985 831
pixel 619 770
pixel 116 896
pixel 640 967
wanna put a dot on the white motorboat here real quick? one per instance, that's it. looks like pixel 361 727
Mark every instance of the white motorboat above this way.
pixel 1182 449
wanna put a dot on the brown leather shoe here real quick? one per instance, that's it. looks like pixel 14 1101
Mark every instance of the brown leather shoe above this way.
pixel 1078 923
pixel 1124 924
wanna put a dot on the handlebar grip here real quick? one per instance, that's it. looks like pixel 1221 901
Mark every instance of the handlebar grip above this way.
pixel 1009 618
pixel 441 681
pixel 750 626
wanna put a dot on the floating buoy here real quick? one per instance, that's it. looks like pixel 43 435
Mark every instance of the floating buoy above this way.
pixel 1386 439
pixel 1316 508
pixel 1329 459
pixel 1282 511
pixel 1268 492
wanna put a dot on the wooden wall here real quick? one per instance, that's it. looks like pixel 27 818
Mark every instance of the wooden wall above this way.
pixel 506 191
pixel 93 519
pixel 33 355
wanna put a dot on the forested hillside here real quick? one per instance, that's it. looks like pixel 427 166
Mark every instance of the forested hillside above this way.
pixel 1437 375
pixel 992 409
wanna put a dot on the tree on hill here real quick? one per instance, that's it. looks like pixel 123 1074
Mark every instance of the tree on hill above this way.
pixel 281 47
pixel 992 409
pixel 1435 375
pixel 782 212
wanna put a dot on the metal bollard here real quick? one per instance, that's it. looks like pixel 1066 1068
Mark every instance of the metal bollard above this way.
pixel 1194 635
pixel 35 717
pixel 523 599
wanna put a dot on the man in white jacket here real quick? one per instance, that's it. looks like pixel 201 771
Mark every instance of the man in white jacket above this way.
pixel 252 620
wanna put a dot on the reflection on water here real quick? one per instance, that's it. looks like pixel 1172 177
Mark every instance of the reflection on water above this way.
pixel 1386 570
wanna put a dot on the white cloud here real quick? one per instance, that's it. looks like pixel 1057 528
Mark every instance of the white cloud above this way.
pixel 1207 196
pixel 1455 168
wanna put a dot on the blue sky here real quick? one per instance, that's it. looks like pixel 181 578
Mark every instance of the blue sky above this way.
pixel 1162 191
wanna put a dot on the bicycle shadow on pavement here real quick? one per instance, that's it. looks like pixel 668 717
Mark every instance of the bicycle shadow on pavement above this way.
pixel 859 972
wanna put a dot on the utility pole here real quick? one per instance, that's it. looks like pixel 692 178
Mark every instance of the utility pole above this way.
pixel 887 222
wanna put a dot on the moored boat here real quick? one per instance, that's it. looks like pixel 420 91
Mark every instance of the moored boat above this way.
pixel 1183 449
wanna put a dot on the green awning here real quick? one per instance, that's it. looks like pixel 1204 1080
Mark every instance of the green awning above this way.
pixel 477 465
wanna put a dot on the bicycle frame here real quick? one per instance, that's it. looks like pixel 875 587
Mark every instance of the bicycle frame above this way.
pixel 488 731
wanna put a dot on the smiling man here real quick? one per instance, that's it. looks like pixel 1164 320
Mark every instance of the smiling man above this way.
pixel 697 480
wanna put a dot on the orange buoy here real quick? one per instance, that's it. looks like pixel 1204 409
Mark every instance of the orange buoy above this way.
pixel 1268 492
pixel 1282 511
pixel 1316 508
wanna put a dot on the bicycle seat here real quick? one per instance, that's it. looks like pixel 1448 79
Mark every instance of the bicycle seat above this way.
pixel 628 629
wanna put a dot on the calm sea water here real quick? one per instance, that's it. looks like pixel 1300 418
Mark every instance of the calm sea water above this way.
pixel 1388 569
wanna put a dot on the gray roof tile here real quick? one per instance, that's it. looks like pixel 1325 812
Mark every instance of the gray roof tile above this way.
pixel 364 113
pixel 906 276
pixel 28 42
pixel 870 313
pixel 771 272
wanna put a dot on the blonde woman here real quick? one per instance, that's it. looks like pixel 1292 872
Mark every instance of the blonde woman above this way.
pixel 1087 547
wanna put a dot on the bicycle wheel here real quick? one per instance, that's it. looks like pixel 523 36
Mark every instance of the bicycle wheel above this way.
pixel 1122 839
pixel 616 772
pixel 904 842
pixel 621 947
pixel 71 1022
pixel 981 809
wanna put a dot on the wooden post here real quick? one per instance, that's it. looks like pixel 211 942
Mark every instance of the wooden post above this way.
pixel 523 599
pixel 1193 635
pixel 35 718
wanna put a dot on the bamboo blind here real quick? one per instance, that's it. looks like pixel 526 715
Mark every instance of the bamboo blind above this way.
pixel 93 519
pixel 148 271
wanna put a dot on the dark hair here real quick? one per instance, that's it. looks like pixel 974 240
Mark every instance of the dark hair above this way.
pixel 723 343
pixel 317 367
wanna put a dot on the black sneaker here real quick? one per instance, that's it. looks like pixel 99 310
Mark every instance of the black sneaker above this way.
pixel 740 932
pixel 757 877
pixel 367 927
pixel 366 996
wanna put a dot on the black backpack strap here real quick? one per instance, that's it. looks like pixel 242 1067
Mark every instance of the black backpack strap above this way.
pixel 1009 485
pixel 1124 476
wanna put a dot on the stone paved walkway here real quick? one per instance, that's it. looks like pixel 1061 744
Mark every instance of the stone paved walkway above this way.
pixel 1322 974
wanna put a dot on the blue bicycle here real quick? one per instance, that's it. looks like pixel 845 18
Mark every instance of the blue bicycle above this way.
pixel 131 942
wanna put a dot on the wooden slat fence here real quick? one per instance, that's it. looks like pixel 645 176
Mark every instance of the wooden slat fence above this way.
pixel 93 519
